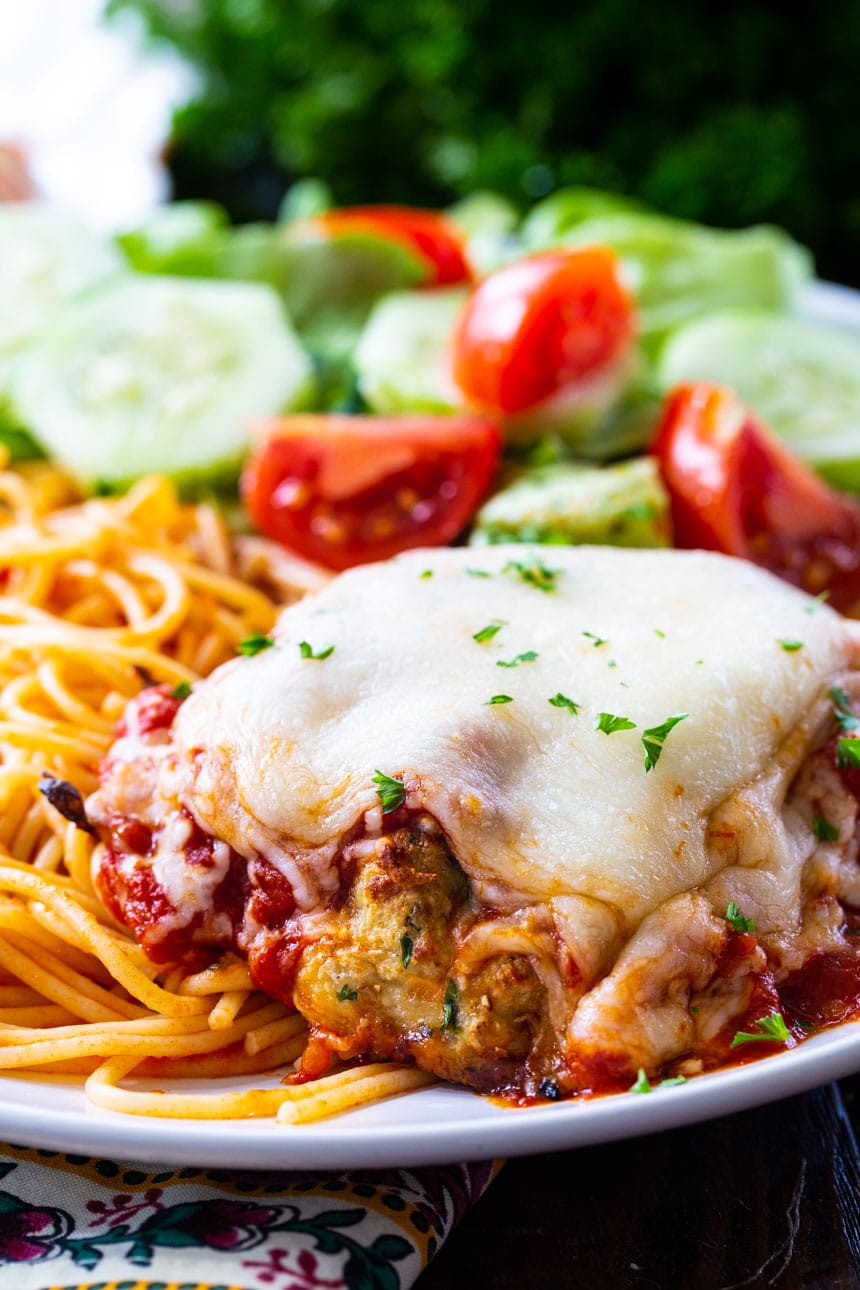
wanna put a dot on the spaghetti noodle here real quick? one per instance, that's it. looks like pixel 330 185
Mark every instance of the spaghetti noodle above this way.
pixel 97 599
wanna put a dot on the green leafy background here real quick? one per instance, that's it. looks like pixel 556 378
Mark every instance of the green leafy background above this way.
pixel 730 113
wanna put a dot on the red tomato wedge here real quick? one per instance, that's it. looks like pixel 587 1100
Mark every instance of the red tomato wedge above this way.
pixel 736 488
pixel 541 326
pixel 434 237
pixel 346 490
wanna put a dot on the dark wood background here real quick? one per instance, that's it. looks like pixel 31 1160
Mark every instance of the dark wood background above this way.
pixel 769 1197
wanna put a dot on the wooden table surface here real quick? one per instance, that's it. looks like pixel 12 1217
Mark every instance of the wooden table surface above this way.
pixel 769 1197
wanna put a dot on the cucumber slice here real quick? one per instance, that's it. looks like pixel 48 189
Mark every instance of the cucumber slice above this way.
pixel 679 270
pixel 46 256
pixel 801 377
pixel 159 374
pixel 401 360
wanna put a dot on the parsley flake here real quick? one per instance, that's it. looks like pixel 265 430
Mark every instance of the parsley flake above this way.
pixel 562 701
pixel 736 920
pixel 499 698
pixel 534 572
pixel 181 691
pixel 654 738
pixel 842 711
pixel 598 640
pixel 306 651
pixel 673 1081
pixel 790 647
pixel 642 1084
pixel 816 602
pixel 450 1007
pixel 609 723
pixel 529 657
pixel 658 632
pixel 848 752
pixel 346 995
pixel 390 792
pixel 773 1030
pixel 252 645
pixel 824 829
pixel 487 633
pixel 407 945
pixel 479 573
pixel 427 573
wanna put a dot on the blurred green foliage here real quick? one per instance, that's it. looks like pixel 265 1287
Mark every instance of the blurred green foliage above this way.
pixel 730 113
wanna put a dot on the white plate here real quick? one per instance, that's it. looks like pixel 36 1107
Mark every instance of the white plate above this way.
pixel 439 1124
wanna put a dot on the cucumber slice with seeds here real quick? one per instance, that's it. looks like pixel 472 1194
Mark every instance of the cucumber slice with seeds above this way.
pixel 46 257
pixel 800 376
pixel 159 374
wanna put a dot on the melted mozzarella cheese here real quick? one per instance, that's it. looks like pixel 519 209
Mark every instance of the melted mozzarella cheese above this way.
pixel 538 804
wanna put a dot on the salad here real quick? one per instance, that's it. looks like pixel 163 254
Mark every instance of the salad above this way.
pixel 378 378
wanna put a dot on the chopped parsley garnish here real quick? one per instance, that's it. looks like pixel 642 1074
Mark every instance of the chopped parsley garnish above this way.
pixel 450 1007
pixel 499 698
pixel 609 723
pixel 819 600
pixel 534 572
pixel 307 651
pixel 528 657
pixel 407 945
pixel 654 738
pixel 346 995
pixel 657 632
pixel 598 640
pixel 487 633
pixel 736 920
pixel 773 1030
pixel 790 647
pixel 390 792
pixel 181 691
pixel 562 701
pixel 642 1084
pixel 848 752
pixel 845 717
pixel 252 645
pixel 427 573
pixel 824 829
pixel 479 573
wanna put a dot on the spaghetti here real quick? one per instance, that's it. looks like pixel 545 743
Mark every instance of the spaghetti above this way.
pixel 97 599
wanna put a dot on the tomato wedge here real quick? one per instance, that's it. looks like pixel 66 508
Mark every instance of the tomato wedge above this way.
pixel 541 326
pixel 346 490
pixel 435 238
pixel 736 488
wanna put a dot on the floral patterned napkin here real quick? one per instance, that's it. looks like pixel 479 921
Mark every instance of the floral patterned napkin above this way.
pixel 71 1222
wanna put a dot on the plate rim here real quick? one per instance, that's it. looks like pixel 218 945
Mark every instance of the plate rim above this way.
pixel 440 1124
